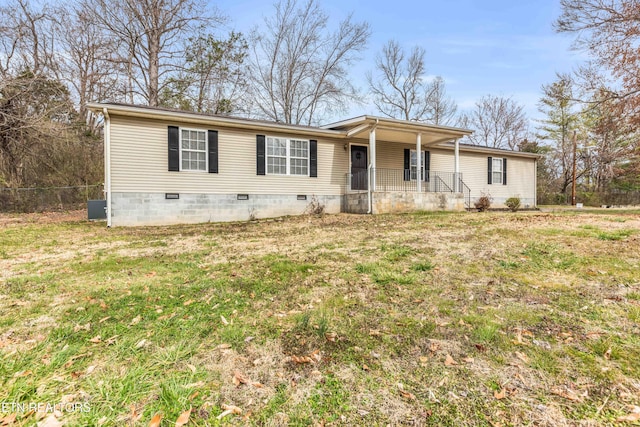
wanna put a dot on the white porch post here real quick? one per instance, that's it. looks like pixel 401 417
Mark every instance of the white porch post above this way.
pixel 456 168
pixel 419 162
pixel 371 170
pixel 372 160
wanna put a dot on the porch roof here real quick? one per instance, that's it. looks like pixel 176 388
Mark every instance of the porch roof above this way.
pixel 394 130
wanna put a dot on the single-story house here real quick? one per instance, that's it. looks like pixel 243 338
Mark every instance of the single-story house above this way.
pixel 165 166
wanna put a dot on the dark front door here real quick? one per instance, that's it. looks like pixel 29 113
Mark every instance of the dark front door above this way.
pixel 359 165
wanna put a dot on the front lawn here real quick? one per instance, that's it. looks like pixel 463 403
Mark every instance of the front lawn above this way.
pixel 443 319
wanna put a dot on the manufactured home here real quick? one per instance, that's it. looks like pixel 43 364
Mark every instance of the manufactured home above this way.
pixel 165 166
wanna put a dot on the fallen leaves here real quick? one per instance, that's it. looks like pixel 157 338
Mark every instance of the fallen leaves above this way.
pixel 50 421
pixel 523 357
pixel 183 419
pixel 313 357
pixel 229 409
pixel 331 336
pixel 8 420
pixel 239 378
pixel 98 339
pixel 224 320
pixel 135 414
pixel 156 420
pixel 135 320
pixel 567 393
pixel 499 395
pixel 449 361
pixel 633 416
pixel 407 395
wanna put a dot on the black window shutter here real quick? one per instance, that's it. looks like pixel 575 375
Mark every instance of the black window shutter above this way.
pixel 490 164
pixel 504 171
pixel 260 154
pixel 407 164
pixel 174 147
pixel 313 158
pixel 212 137
pixel 427 165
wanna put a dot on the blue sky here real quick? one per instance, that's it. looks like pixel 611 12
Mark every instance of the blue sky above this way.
pixel 498 47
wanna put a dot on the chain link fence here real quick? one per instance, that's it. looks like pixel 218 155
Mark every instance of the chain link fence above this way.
pixel 608 198
pixel 39 199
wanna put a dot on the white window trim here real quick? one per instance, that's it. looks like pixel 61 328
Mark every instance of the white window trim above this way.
pixel 493 170
pixel 206 150
pixel 288 155
pixel 424 163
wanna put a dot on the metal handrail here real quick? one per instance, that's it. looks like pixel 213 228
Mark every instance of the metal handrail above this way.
pixel 466 191
pixel 402 180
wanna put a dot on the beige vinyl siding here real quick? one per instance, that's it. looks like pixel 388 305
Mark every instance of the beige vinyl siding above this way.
pixel 139 163
pixel 473 166
pixel 520 177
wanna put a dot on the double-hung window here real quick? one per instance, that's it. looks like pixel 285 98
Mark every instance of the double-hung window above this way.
pixel 496 171
pixel 287 156
pixel 276 156
pixel 414 165
pixel 193 150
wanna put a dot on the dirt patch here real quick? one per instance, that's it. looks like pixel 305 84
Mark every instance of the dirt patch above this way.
pixel 7 219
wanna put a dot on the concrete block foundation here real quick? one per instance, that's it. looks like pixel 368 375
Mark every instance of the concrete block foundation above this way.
pixel 136 209
pixel 399 202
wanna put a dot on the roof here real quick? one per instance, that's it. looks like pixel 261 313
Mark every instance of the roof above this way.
pixel 489 150
pixel 161 113
pixel 391 130
pixel 398 130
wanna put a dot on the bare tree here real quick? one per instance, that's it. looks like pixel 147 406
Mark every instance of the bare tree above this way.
pixel 610 31
pixel 299 68
pixel 83 62
pixel 606 143
pixel 498 122
pixel 147 37
pixel 442 109
pixel 28 37
pixel 400 92
pixel 400 89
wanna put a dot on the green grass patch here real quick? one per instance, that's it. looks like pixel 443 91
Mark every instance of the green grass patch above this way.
pixel 334 320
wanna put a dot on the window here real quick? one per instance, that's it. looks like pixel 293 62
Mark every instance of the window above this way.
pixel 193 150
pixel 287 156
pixel 276 156
pixel 414 165
pixel 496 171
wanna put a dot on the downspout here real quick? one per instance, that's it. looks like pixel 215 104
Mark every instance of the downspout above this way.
pixel 535 184
pixel 107 162
pixel 371 163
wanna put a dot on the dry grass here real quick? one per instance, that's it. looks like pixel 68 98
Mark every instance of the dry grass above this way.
pixel 334 320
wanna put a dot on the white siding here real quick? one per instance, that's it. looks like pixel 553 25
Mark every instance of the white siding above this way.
pixel 473 166
pixel 139 163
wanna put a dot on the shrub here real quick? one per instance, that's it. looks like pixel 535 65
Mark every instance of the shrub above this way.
pixel 315 207
pixel 484 202
pixel 513 203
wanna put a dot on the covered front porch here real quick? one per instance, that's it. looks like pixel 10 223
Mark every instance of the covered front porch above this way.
pixel 391 170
